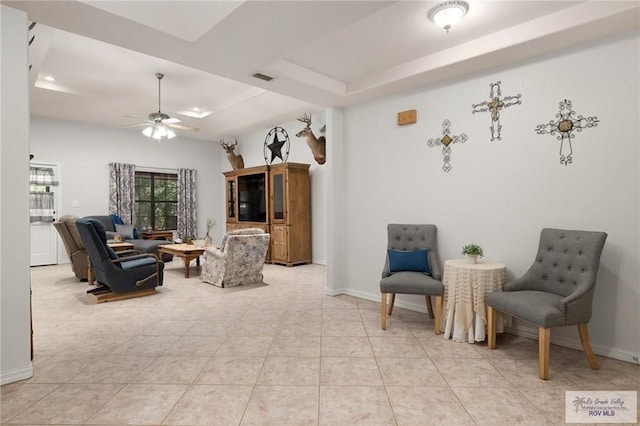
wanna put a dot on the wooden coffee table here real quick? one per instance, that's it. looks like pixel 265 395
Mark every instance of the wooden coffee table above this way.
pixel 187 252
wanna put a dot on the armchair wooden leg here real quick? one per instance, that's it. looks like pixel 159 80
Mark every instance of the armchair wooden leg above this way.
pixel 393 300
pixel 429 308
pixel 584 339
pixel 491 327
pixel 544 342
pixel 383 311
pixel 438 315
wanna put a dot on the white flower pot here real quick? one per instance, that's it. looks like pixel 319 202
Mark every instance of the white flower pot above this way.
pixel 472 258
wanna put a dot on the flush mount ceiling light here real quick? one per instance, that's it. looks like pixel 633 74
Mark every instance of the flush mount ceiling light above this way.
pixel 448 14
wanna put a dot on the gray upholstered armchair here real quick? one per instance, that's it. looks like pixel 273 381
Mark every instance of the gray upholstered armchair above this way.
pixel 409 269
pixel 557 290
pixel 239 260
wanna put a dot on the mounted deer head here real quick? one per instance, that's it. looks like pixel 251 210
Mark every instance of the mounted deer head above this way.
pixel 237 162
pixel 318 145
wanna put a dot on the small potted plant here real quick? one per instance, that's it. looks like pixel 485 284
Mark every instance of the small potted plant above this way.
pixel 473 252
pixel 208 240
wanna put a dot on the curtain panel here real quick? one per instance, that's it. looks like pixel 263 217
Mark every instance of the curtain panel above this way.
pixel 187 204
pixel 41 207
pixel 122 178
pixel 42 176
pixel 40 198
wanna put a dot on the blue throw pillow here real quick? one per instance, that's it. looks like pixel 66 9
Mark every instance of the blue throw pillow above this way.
pixel 415 261
pixel 117 220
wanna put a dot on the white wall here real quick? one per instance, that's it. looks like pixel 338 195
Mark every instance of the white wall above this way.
pixel 15 360
pixel 500 194
pixel 84 152
pixel 251 146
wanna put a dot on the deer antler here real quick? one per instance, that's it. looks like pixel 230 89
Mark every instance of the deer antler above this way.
pixel 305 119
pixel 226 145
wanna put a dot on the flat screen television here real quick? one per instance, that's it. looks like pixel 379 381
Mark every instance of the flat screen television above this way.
pixel 252 198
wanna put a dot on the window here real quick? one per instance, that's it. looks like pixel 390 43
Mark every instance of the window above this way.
pixel 156 201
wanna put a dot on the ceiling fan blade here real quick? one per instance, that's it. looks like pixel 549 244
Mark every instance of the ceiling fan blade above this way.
pixel 183 127
pixel 136 118
pixel 137 125
pixel 171 120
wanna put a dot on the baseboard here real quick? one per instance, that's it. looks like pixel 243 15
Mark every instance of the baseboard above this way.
pixel 531 332
pixel 17 374
pixel 520 330
pixel 319 261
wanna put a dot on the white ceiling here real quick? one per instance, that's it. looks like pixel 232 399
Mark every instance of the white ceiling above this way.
pixel 104 54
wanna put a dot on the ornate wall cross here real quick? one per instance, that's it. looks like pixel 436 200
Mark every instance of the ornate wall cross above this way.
pixel 565 124
pixel 495 104
pixel 446 140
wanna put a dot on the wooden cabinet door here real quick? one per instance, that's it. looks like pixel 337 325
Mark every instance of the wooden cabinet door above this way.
pixel 278 197
pixel 279 246
pixel 231 197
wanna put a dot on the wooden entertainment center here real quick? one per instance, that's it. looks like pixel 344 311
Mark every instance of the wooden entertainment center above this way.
pixel 275 198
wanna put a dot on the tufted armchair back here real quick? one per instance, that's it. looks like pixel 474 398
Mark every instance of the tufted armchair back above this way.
pixel 567 262
pixel 413 237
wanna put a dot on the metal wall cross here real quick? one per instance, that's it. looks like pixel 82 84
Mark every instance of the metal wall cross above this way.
pixel 495 104
pixel 446 140
pixel 566 123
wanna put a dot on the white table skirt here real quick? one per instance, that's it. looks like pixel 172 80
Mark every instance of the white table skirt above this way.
pixel 466 287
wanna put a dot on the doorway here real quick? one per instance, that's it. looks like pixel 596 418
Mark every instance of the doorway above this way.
pixel 44 190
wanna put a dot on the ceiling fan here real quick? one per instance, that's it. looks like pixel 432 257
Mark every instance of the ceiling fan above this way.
pixel 159 124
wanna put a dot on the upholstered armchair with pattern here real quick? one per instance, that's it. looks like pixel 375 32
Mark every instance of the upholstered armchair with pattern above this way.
pixel 239 260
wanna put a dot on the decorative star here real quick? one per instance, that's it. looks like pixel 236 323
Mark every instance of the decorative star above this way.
pixel 276 148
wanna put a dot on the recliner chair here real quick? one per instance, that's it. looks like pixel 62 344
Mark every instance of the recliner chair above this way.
pixel 120 275
pixel 66 227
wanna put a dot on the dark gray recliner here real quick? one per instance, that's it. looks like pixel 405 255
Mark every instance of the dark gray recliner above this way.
pixel 120 275
pixel 141 245
pixel 557 290
pixel 406 238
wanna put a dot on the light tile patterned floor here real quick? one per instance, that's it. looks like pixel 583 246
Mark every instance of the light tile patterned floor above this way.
pixel 280 354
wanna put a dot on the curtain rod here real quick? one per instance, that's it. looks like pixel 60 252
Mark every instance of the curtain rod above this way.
pixel 155 168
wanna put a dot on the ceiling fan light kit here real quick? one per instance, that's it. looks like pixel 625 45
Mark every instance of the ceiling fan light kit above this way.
pixel 448 13
pixel 159 131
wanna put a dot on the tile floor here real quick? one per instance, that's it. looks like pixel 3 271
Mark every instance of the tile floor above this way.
pixel 279 354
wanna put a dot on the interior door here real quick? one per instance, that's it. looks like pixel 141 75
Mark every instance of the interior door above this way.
pixel 43 198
